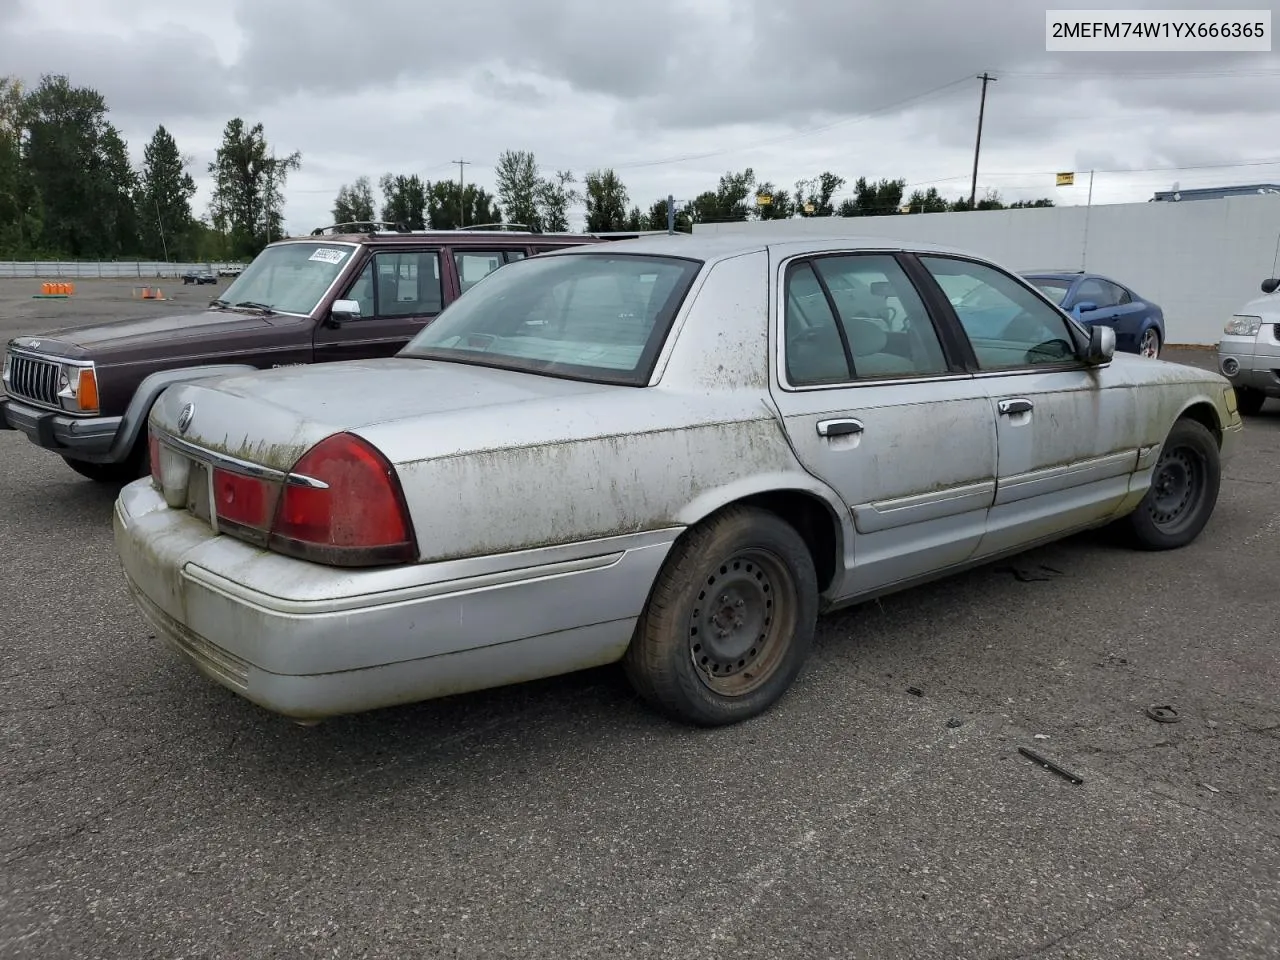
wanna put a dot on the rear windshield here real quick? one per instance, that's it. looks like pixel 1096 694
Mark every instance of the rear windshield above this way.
pixel 586 316
pixel 1055 290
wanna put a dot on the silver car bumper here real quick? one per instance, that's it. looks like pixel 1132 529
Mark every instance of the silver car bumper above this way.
pixel 1251 362
pixel 309 641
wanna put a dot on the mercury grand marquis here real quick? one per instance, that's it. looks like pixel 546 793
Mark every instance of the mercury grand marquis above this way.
pixel 672 452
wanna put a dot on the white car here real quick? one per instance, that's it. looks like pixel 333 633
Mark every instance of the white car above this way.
pixel 1249 351
pixel 671 452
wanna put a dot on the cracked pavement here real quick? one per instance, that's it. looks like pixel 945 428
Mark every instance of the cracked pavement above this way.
pixel 148 813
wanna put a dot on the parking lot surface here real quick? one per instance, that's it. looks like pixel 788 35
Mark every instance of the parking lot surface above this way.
pixel 148 813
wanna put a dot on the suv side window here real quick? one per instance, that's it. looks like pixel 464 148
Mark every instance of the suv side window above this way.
pixel 1007 325
pixel 856 317
pixel 399 284
pixel 474 265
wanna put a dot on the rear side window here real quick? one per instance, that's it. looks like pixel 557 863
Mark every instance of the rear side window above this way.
pixel 585 316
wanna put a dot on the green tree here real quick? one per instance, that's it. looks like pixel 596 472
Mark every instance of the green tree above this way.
pixel 728 202
pixel 928 201
pixel 817 194
pixel 991 201
pixel 1028 204
pixel 635 220
pixel 248 188
pixel 606 199
pixel 880 199
pixel 555 194
pixel 164 200
pixel 519 185
pixel 780 206
pixel 404 200
pixel 19 212
pixel 657 218
pixel 444 205
pixel 77 164
pixel 354 202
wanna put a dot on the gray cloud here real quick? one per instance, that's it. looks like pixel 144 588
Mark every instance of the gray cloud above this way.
pixel 407 86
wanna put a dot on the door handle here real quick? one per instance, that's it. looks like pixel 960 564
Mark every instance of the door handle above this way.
pixel 839 428
pixel 1019 405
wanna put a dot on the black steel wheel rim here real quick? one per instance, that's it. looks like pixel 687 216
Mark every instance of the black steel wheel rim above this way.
pixel 1177 488
pixel 741 624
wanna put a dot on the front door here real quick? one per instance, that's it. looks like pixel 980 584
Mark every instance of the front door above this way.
pixel 1067 432
pixel 877 408
pixel 399 293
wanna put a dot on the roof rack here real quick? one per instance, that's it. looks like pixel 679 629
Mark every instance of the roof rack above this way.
pixel 361 226
pixel 497 228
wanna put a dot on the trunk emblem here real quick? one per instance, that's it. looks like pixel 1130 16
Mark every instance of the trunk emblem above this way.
pixel 185 417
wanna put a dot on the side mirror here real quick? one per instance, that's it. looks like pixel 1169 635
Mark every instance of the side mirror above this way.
pixel 1270 286
pixel 343 310
pixel 1102 345
pixel 1085 306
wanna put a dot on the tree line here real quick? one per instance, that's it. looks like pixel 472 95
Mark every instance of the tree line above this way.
pixel 541 202
pixel 69 190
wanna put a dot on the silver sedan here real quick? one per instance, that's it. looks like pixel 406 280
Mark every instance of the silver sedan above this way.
pixel 670 452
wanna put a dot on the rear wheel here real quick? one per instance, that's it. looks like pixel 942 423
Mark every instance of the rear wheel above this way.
pixel 1249 401
pixel 1183 492
pixel 729 622
pixel 1149 345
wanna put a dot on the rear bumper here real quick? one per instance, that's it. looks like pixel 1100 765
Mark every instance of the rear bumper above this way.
pixel 86 438
pixel 310 641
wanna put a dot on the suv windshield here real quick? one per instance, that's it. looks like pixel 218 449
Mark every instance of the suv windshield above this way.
pixel 587 316
pixel 289 277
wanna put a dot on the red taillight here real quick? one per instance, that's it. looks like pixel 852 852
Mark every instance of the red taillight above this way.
pixel 241 499
pixel 357 518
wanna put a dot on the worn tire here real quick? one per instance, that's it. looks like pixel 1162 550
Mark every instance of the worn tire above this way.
pixel 1249 401
pixel 1172 515
pixel 767 586
pixel 136 466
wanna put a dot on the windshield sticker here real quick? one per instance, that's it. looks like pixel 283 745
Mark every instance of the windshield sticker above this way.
pixel 328 255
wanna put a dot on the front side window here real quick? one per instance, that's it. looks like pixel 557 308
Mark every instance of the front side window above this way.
pixel 399 284
pixel 589 316
pixel 290 277
pixel 856 317
pixel 1007 325
pixel 1098 292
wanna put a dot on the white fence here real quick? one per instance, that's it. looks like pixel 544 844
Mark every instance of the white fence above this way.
pixel 1200 260
pixel 108 269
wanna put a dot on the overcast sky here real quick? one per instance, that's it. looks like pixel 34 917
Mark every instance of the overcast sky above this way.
pixel 671 93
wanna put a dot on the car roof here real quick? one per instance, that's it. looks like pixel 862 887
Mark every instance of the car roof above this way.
pixel 452 237
pixel 719 246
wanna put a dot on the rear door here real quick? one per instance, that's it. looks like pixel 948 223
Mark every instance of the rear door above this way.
pixel 876 404
pixel 473 265
pixel 399 292
pixel 1067 432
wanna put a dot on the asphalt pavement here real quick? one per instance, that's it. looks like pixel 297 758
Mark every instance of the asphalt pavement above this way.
pixel 148 813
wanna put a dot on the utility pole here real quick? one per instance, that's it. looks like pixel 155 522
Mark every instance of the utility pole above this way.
pixel 671 214
pixel 462 209
pixel 982 106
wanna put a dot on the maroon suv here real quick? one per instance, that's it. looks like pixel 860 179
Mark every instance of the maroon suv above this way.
pixel 86 393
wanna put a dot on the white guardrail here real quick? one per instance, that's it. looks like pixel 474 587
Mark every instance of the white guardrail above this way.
pixel 109 269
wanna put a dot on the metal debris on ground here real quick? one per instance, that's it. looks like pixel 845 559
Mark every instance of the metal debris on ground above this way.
pixel 955 722
pixel 915 691
pixel 1210 788
pixel 1051 766
pixel 1163 713
pixel 1042 736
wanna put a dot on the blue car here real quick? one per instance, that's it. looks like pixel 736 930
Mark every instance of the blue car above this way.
pixel 1092 298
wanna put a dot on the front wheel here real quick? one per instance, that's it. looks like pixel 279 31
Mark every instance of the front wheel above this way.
pixel 137 465
pixel 729 621
pixel 1183 491
pixel 1149 345
pixel 1249 401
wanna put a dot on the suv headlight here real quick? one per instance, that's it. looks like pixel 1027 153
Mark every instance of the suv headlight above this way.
pixel 78 389
pixel 1243 326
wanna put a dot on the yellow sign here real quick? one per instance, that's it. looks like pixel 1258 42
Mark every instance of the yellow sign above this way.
pixel 1066 179
pixel 808 208
pixel 763 199
pixel 905 208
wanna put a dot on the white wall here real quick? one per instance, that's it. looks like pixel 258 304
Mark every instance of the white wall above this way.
pixel 1200 260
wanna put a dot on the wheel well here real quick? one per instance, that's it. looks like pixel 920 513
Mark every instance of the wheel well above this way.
pixel 812 519
pixel 1204 414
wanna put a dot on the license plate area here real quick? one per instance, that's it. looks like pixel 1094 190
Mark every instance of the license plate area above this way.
pixel 200 492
